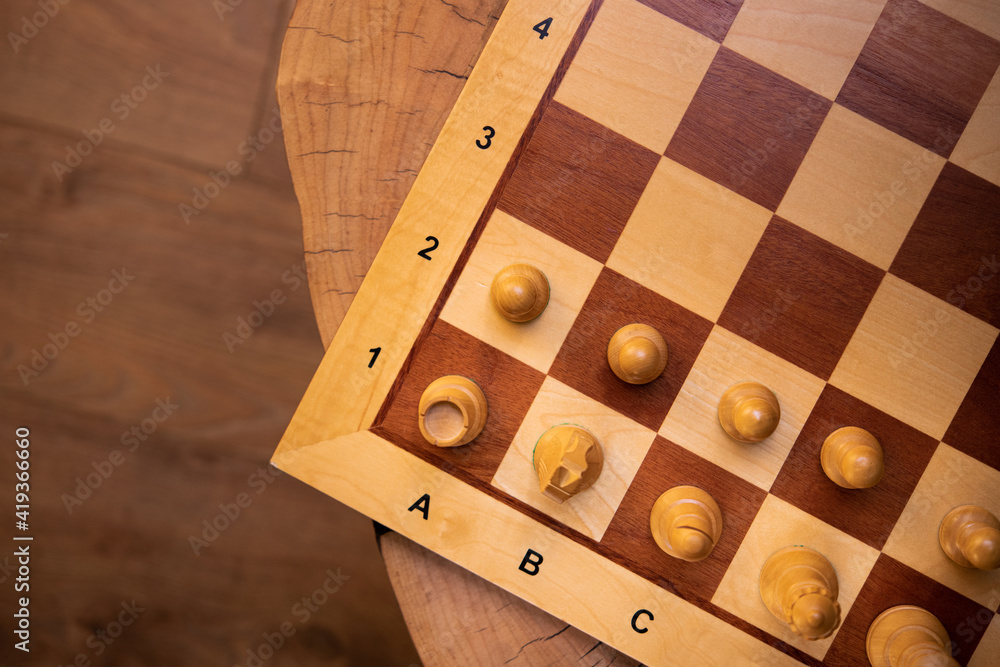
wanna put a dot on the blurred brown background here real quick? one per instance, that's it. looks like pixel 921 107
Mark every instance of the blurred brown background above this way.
pixel 114 118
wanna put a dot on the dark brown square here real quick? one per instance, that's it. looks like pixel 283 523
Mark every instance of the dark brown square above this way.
pixel 510 387
pixel 578 181
pixel 921 74
pixel 976 424
pixel 748 128
pixel 801 297
pixel 891 583
pixel 711 18
pixel 869 514
pixel 582 362
pixel 953 248
pixel 628 539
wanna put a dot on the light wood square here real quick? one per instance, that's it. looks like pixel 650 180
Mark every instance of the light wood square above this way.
pixel 913 356
pixel 689 239
pixel 812 42
pixel 636 72
pixel 779 525
pixel 693 420
pixel 861 186
pixel 988 652
pixel 978 150
pixel 625 445
pixel 505 241
pixel 952 478
pixel 983 15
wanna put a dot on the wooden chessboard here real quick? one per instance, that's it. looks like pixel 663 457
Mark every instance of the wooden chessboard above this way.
pixel 797 192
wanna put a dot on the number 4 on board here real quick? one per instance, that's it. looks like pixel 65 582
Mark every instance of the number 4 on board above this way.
pixel 543 28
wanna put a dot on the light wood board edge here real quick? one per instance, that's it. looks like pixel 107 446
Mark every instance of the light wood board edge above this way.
pixel 446 201
pixel 490 539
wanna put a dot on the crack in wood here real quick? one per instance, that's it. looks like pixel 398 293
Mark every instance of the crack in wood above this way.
pixel 454 8
pixel 439 71
pixel 539 639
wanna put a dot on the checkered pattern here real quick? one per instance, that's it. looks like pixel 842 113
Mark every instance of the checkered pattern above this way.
pixel 803 196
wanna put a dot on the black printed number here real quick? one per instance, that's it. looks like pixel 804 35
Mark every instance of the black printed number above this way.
pixel 543 28
pixel 374 351
pixel 426 252
pixel 490 133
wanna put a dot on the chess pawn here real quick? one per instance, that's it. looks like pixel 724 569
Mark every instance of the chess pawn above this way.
pixel 568 459
pixel 520 292
pixel 749 411
pixel 637 353
pixel 686 523
pixel 799 586
pixel 970 535
pixel 452 411
pixel 852 458
pixel 908 636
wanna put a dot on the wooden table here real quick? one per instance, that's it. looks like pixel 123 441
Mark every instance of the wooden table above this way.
pixel 364 88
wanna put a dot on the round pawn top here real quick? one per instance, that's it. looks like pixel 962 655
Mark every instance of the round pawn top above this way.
pixel 815 615
pixel 520 292
pixel 686 523
pixel 452 411
pixel 637 353
pixel 852 458
pixel 568 459
pixel 749 412
pixel 970 536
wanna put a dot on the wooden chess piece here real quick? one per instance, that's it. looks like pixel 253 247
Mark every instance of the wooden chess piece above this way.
pixel 520 292
pixel 686 523
pixel 852 458
pixel 637 353
pixel 908 636
pixel 799 586
pixel 452 411
pixel 749 411
pixel 970 535
pixel 568 459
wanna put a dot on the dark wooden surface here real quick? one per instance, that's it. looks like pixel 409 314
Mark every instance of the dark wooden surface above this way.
pixel 162 338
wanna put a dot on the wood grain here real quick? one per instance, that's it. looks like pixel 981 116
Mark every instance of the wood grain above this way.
pixel 748 128
pixel 393 68
pixel 953 249
pixel 950 480
pixel 508 384
pixel 86 57
pixel 975 423
pixel 162 338
pixel 524 637
pixel 575 171
pixel 813 294
pixel 913 356
pixel 628 539
pixel 615 302
pixel 711 18
pixel 867 514
pixel 695 255
pixel 921 74
pixel 891 583
pixel 812 42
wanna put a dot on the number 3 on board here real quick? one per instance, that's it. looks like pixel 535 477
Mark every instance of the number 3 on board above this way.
pixel 490 133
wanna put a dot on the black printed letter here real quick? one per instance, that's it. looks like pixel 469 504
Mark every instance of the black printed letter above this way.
pixel 531 562
pixel 423 504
